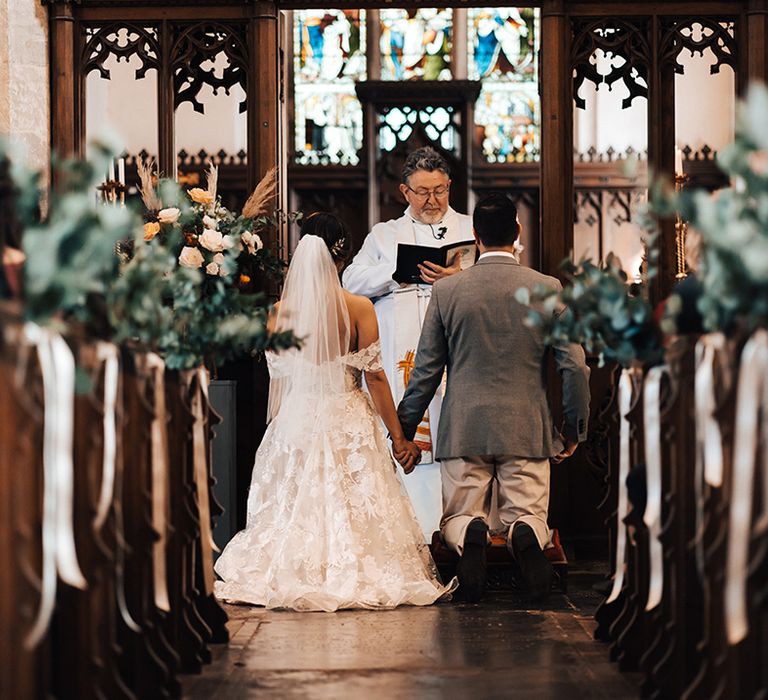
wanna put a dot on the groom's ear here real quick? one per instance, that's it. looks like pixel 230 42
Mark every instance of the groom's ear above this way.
pixel 477 238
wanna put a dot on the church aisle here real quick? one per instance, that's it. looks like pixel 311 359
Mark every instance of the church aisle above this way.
pixel 496 649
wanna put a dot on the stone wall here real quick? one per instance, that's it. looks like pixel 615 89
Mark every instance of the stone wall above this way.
pixel 24 91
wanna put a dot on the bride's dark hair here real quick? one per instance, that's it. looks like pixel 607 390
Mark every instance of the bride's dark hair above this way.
pixel 332 230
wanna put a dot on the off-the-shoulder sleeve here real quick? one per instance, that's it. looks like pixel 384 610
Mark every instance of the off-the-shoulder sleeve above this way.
pixel 368 359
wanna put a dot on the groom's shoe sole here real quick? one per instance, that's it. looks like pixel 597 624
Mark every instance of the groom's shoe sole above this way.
pixel 535 567
pixel 472 567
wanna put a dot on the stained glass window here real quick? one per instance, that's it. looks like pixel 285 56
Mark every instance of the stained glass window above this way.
pixel 329 58
pixel 503 45
pixel 416 44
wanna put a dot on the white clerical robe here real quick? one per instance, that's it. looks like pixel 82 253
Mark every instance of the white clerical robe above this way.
pixel 400 311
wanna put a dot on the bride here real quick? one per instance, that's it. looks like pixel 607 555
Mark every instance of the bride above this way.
pixel 329 524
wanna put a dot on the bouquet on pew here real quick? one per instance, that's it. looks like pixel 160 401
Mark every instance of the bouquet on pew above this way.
pixel 202 261
pixel 77 271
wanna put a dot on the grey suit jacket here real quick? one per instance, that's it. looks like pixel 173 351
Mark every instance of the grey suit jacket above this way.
pixel 496 395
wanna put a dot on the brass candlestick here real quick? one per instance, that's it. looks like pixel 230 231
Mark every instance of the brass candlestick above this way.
pixel 681 231
pixel 112 191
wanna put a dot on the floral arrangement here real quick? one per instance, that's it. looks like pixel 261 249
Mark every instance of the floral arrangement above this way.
pixel 190 313
pixel 598 309
pixel 733 225
pixel 207 261
pixel 215 239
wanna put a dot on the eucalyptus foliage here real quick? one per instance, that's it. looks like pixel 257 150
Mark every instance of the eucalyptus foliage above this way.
pixel 733 223
pixel 596 309
pixel 70 254
pixel 90 262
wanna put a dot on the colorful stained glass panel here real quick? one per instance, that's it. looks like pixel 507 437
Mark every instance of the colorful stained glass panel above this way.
pixel 503 48
pixel 416 44
pixel 329 58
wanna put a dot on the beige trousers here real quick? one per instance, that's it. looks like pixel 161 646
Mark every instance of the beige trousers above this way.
pixel 522 495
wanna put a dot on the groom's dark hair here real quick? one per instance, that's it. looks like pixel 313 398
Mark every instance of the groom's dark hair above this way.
pixel 495 220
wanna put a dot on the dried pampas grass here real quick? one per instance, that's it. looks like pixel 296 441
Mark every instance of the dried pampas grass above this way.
pixel 147 187
pixel 258 202
pixel 212 178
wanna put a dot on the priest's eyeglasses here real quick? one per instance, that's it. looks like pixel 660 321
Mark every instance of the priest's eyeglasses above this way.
pixel 424 194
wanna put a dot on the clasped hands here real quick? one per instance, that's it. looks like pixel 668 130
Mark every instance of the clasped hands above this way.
pixel 407 453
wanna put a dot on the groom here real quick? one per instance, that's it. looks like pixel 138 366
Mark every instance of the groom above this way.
pixel 495 423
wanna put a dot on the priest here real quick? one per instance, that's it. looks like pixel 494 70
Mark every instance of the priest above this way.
pixel 400 308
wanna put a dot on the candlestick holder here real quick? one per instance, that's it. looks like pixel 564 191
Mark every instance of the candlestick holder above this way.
pixel 681 232
pixel 112 191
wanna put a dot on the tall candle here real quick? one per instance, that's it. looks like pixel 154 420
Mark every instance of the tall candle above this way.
pixel 678 161
pixel 111 170
pixel 121 171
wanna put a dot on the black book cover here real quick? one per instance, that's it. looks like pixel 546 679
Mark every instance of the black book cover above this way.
pixel 410 256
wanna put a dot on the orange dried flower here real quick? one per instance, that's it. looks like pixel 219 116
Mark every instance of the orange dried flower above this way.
pixel 151 229
pixel 244 279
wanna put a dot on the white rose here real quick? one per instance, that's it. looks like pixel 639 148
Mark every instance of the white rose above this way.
pixel 208 222
pixel 168 216
pixel 252 242
pixel 228 242
pixel 212 268
pixel 212 240
pixel 218 258
pixel 191 257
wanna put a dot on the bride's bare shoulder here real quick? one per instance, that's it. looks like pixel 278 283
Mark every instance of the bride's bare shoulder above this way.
pixel 358 304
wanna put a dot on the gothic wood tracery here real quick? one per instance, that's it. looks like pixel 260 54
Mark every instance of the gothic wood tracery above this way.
pixel 193 56
pixel 697 35
pixel 626 42
pixel 122 40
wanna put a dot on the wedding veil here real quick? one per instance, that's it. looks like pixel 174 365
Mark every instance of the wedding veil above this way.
pixel 313 307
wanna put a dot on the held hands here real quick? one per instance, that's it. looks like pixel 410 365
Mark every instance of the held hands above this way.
pixel 406 453
pixel 430 272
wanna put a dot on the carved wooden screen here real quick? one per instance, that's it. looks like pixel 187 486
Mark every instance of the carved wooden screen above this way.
pixel 638 57
pixel 170 80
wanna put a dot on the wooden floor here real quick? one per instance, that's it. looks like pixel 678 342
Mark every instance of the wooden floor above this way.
pixel 497 649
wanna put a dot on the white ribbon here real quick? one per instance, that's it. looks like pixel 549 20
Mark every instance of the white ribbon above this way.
pixel 57 366
pixel 751 397
pixel 108 354
pixel 159 456
pixel 625 403
pixel 200 464
pixel 709 442
pixel 652 515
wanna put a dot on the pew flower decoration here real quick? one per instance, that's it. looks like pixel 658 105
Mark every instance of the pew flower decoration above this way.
pixel 733 224
pixel 597 309
pixel 70 252
pixel 197 263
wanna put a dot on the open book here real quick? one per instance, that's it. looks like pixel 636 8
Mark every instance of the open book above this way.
pixel 410 256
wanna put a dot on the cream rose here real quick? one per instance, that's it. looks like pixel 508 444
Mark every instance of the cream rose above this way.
pixel 228 242
pixel 191 257
pixel 168 216
pixel 212 240
pixel 252 242
pixel 212 268
pixel 210 222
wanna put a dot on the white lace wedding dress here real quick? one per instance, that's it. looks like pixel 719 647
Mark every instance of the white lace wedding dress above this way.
pixel 329 523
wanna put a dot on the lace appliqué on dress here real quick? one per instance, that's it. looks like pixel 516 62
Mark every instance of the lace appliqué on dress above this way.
pixel 329 522
pixel 368 359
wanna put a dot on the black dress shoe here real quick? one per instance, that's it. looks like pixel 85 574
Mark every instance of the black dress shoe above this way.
pixel 534 566
pixel 472 568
